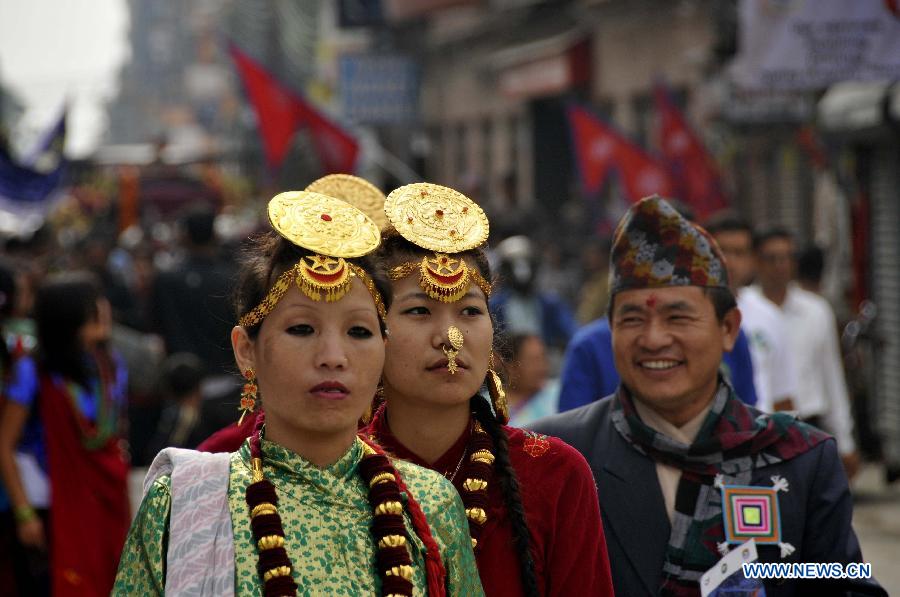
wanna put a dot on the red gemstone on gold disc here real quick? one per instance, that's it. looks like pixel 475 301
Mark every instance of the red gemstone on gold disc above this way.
pixel 326 217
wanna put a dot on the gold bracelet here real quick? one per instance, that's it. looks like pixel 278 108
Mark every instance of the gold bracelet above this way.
pixel 24 513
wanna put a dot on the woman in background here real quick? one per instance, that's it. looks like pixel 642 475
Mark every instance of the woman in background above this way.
pixel 531 395
pixel 64 412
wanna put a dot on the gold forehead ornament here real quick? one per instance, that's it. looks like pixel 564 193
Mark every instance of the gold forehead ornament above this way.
pixel 334 230
pixel 447 222
pixel 358 192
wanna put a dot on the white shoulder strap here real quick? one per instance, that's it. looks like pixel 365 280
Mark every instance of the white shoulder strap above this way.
pixel 200 559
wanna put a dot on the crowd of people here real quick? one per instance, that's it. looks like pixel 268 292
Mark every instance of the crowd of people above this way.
pixel 402 430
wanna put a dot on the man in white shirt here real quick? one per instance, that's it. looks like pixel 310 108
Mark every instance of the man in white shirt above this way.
pixel 822 398
pixel 774 373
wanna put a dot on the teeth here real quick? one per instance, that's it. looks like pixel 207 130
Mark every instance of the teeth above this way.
pixel 659 364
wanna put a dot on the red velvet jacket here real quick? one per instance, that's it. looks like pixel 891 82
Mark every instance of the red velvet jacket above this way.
pixel 561 508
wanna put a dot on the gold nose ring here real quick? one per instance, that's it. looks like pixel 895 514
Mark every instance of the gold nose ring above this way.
pixel 455 336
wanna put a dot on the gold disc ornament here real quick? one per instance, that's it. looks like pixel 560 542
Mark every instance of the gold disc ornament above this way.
pixel 323 224
pixel 437 218
pixel 356 191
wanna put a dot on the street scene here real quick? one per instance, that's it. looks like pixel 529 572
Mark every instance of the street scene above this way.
pixel 501 297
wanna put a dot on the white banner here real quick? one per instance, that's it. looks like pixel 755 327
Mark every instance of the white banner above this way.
pixel 809 44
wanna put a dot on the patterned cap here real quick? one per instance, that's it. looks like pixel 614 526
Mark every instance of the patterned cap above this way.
pixel 655 246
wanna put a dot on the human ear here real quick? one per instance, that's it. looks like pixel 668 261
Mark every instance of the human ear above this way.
pixel 242 346
pixel 731 327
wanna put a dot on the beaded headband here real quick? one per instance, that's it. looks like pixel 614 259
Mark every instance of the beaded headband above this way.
pixel 333 230
pixel 356 191
pixel 447 222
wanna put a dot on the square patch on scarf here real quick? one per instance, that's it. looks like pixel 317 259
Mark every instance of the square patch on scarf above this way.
pixel 751 512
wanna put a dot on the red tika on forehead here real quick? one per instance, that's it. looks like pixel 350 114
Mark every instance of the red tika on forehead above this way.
pixel 651 300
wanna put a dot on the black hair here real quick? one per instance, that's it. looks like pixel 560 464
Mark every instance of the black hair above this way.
pixel 182 374
pixel 728 221
pixel 267 256
pixel 721 297
pixel 509 486
pixel 199 224
pixel 513 347
pixel 7 304
pixel 771 233
pixel 64 303
pixel 810 264
pixel 395 250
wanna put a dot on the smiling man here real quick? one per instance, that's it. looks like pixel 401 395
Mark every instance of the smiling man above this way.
pixel 685 471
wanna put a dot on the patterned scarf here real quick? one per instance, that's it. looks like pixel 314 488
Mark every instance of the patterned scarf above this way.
pixel 733 441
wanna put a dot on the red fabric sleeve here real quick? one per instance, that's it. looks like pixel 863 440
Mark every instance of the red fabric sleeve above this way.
pixel 229 439
pixel 576 558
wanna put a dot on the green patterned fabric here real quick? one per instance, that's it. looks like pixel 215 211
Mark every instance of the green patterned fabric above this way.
pixel 326 516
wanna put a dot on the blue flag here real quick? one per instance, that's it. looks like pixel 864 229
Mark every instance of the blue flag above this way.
pixel 32 184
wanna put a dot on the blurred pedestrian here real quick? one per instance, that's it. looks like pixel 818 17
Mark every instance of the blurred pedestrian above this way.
pixel 519 306
pixel 64 413
pixel 190 301
pixel 595 289
pixel 531 395
pixel 810 265
pixel 774 372
pixel 822 398
pixel 180 424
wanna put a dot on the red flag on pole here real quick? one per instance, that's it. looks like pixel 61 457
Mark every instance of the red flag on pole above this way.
pixel 282 112
pixel 691 167
pixel 599 148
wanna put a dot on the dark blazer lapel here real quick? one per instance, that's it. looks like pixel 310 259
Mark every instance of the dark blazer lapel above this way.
pixel 632 501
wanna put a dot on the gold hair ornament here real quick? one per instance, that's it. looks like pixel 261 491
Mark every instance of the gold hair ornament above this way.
pixel 456 342
pixel 443 277
pixel 333 230
pixel 358 192
pixel 447 222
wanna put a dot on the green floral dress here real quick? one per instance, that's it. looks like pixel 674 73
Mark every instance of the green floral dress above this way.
pixel 326 516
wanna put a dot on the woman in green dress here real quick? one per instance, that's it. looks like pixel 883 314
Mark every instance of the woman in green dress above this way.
pixel 305 506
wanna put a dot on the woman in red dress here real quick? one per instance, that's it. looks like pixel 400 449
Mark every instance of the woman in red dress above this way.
pixel 531 499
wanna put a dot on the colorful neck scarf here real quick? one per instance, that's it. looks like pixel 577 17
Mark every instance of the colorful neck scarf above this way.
pixel 733 441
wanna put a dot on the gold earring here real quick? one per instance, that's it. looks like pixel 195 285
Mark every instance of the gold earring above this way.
pixel 498 395
pixel 248 395
pixel 456 342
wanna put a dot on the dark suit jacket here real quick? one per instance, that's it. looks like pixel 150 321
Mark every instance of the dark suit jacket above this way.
pixel 815 512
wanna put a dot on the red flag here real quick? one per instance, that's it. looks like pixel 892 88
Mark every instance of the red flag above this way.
pixel 599 148
pixel 692 168
pixel 282 112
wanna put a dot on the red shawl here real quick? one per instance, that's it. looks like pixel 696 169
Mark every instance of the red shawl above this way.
pixel 89 513
pixel 561 508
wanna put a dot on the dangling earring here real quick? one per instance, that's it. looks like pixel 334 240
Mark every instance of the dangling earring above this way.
pixel 498 395
pixel 248 395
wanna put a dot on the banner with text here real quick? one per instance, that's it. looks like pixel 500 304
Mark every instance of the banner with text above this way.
pixel 809 44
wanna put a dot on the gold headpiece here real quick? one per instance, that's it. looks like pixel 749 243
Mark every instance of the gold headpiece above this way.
pixel 356 191
pixel 333 230
pixel 445 221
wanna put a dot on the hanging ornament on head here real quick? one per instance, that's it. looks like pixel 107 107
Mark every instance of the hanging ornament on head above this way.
pixel 334 231
pixel 447 222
